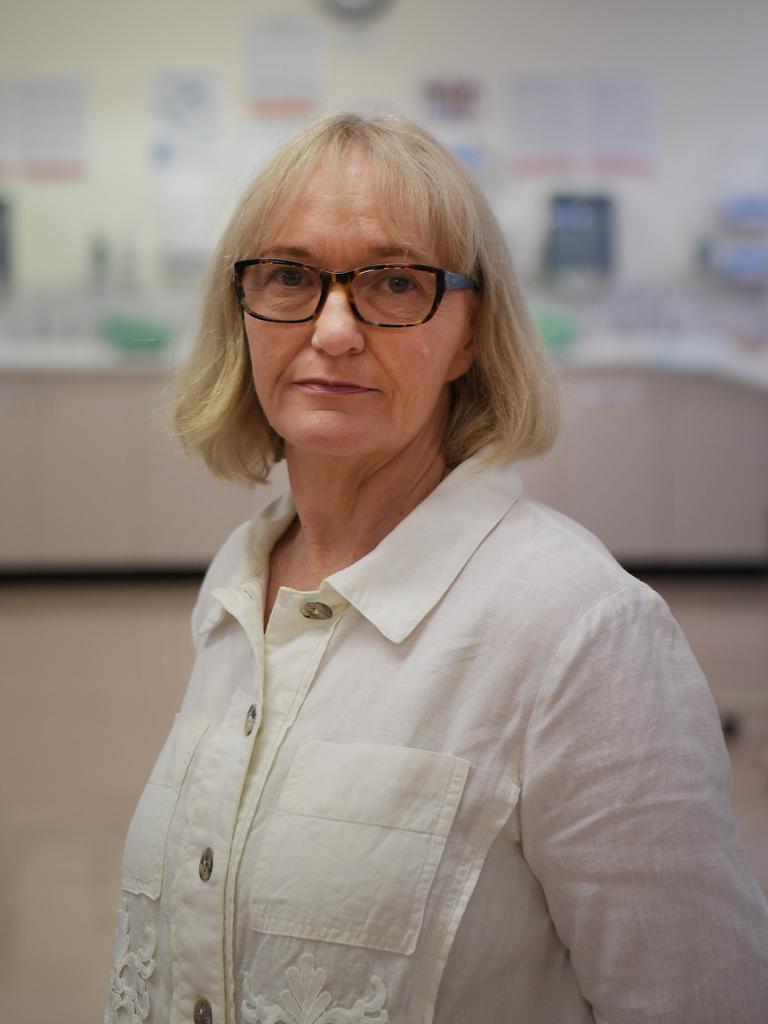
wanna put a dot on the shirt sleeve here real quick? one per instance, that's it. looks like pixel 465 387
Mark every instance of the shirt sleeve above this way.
pixel 626 822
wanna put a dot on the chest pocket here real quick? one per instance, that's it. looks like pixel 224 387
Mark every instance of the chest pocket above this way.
pixel 353 845
pixel 148 831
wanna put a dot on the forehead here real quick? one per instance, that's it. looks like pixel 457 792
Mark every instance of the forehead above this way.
pixel 349 200
pixel 343 193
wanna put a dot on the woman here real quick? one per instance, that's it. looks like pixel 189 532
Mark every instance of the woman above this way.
pixel 440 758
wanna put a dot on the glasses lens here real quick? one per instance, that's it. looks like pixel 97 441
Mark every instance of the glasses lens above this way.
pixel 281 291
pixel 397 296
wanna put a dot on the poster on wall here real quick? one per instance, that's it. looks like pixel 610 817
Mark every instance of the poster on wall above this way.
pixel 43 127
pixel 9 131
pixel 286 68
pixel 591 122
pixel 621 125
pixel 451 99
pixel 184 118
pixel 185 155
pixel 543 119
pixel 451 108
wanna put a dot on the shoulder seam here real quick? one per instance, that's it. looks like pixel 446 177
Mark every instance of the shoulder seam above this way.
pixel 637 586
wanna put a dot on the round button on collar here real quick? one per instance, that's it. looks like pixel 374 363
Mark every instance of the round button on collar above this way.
pixel 202 1013
pixel 250 719
pixel 206 864
pixel 316 610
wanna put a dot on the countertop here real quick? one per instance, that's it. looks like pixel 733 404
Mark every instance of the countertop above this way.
pixel 701 354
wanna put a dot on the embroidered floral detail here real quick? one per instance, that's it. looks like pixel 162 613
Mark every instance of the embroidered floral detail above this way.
pixel 306 1002
pixel 128 1001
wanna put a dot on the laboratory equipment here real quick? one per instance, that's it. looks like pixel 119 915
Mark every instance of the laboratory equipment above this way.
pixel 581 237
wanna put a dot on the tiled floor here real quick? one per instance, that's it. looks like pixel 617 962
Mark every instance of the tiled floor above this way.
pixel 91 677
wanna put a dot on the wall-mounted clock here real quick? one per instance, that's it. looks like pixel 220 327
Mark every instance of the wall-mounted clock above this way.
pixel 356 8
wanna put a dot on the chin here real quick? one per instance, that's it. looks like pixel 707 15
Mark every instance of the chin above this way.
pixel 331 434
pixel 333 448
pixel 332 439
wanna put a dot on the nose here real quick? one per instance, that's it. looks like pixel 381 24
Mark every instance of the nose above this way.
pixel 336 329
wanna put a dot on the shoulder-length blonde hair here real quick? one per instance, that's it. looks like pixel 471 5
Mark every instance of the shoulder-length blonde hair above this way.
pixel 429 202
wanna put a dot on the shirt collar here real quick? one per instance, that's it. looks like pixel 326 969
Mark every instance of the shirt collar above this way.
pixel 240 563
pixel 398 583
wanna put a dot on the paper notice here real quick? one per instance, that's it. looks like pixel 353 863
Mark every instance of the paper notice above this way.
pixel 286 68
pixel 43 126
pixel 593 122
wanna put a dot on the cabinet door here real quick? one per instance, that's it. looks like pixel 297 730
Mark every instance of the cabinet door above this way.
pixel 720 480
pixel 620 465
pixel 91 478
pixel 22 411
pixel 664 468
pixel 186 511
pixel 611 466
pixel 92 465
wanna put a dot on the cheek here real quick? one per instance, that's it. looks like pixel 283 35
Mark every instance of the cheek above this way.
pixel 413 367
pixel 264 356
pixel 438 358
pixel 418 375
pixel 263 375
pixel 446 346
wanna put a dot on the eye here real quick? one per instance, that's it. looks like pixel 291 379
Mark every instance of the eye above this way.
pixel 399 283
pixel 290 277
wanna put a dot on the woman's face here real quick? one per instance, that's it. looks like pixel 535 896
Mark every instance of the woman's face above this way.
pixel 339 387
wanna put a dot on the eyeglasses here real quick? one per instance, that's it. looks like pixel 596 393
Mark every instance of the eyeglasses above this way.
pixel 384 295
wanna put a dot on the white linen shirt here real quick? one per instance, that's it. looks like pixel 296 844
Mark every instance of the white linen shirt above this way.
pixel 489 786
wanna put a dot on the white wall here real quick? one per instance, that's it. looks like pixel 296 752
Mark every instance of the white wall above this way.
pixel 706 59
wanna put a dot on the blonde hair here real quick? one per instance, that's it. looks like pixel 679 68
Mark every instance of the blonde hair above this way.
pixel 429 203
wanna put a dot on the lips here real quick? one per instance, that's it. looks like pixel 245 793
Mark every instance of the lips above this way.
pixel 323 386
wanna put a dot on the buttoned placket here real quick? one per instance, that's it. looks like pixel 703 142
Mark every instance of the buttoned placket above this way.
pixel 229 780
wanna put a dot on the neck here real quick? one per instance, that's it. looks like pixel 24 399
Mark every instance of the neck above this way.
pixel 346 506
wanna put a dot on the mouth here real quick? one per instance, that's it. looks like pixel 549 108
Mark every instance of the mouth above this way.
pixel 323 386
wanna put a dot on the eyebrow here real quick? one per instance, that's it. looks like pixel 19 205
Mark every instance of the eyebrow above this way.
pixel 383 252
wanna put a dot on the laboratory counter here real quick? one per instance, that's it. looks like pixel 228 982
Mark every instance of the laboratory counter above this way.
pixel 661 453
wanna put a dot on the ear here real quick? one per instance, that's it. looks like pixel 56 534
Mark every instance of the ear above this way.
pixel 462 360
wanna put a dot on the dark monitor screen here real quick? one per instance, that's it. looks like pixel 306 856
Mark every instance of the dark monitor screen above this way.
pixel 581 235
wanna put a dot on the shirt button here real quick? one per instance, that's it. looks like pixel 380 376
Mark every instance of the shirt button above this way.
pixel 316 610
pixel 206 864
pixel 250 719
pixel 202 1013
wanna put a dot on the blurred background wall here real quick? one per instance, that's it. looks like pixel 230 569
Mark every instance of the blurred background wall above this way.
pixel 624 147
pixel 702 64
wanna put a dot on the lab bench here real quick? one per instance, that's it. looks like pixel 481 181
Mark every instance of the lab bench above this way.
pixel 92 479
pixel 662 453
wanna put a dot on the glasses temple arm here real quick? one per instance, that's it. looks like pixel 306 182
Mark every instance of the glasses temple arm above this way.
pixel 456 282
